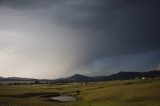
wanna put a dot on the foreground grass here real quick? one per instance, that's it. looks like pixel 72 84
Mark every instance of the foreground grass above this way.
pixel 108 93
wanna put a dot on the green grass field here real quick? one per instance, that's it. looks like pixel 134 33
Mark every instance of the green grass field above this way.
pixel 108 93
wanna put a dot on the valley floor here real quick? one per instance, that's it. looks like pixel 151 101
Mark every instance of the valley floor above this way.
pixel 107 93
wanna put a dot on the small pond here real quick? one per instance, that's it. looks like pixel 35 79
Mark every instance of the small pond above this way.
pixel 64 98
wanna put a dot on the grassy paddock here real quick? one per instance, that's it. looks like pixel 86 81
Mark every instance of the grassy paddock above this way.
pixel 107 93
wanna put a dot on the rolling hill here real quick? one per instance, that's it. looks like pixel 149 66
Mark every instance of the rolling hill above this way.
pixel 117 76
pixel 83 78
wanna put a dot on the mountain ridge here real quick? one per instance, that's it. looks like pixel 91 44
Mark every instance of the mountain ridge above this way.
pixel 83 78
pixel 117 76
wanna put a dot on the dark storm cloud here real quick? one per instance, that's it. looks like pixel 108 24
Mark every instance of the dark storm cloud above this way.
pixel 133 62
pixel 112 35
pixel 15 3
pixel 114 27
pixel 129 26
pixel 27 4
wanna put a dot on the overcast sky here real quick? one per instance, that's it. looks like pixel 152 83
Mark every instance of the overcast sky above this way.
pixel 59 38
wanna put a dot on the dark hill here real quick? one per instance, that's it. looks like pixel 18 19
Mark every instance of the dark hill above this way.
pixel 117 76
pixel 78 77
pixel 16 79
pixel 83 78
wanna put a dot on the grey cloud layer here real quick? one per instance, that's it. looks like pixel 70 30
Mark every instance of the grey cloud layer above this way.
pixel 130 27
pixel 84 33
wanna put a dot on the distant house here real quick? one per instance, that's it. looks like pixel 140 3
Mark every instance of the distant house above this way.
pixel 143 78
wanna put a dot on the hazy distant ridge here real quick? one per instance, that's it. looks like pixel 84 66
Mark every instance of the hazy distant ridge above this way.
pixel 83 78
pixel 117 76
